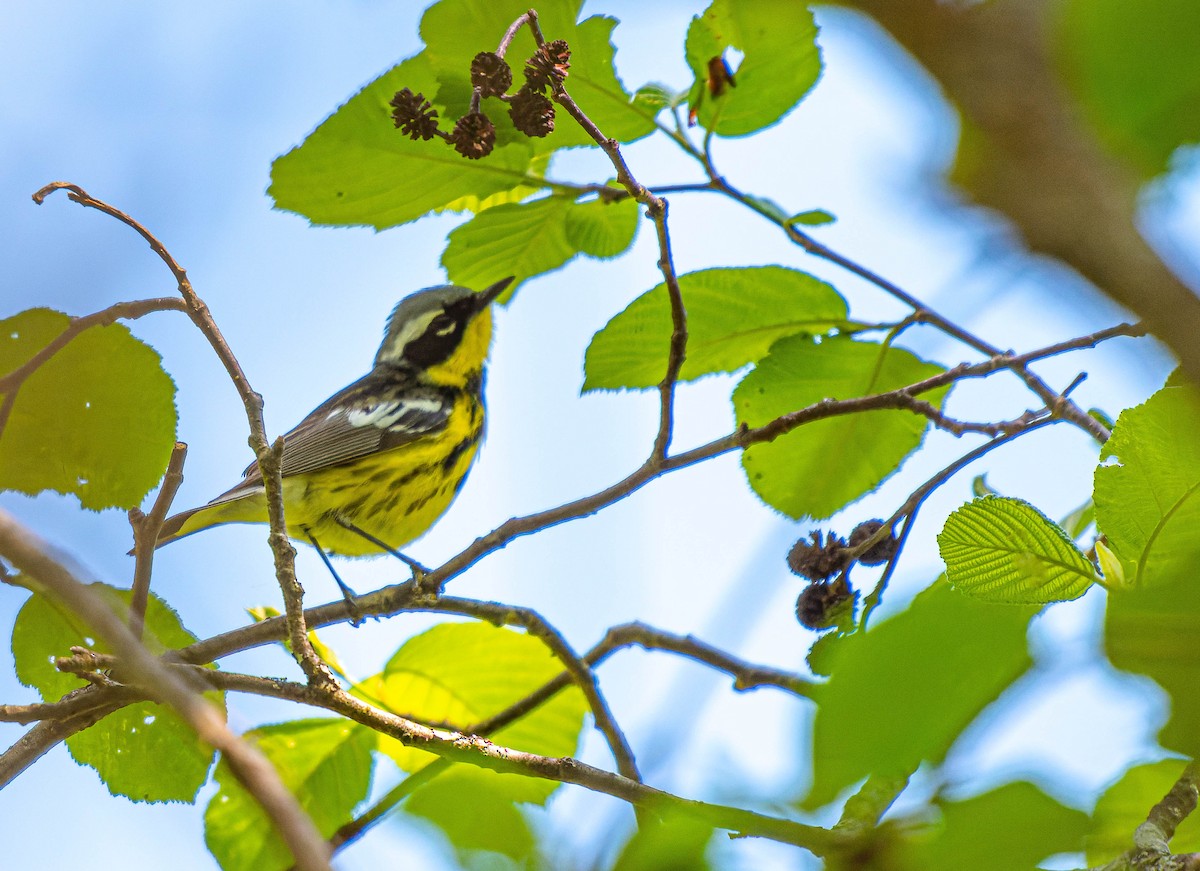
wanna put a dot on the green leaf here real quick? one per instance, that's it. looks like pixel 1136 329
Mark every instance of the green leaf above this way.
pixel 96 420
pixel 768 207
pixel 812 218
pixel 1004 550
pixel 781 62
pixel 823 466
pixel 458 674
pixel 1132 66
pixel 602 229
pixel 980 487
pixel 144 751
pixel 474 814
pixel 456 30
pixel 1148 502
pixel 734 316
pixel 325 763
pixel 1014 826
pixel 932 668
pixel 1078 521
pixel 655 97
pixel 1124 805
pixel 44 630
pixel 672 841
pixel 528 239
pixel 356 168
pixel 1152 631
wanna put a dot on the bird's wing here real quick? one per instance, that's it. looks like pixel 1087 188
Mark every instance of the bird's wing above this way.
pixel 375 413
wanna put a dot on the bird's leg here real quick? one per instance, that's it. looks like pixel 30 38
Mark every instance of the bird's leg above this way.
pixel 347 593
pixel 418 571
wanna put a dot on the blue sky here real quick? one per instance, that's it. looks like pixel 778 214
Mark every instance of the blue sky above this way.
pixel 174 112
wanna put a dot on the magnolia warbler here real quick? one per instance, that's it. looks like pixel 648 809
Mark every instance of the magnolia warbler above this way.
pixel 370 469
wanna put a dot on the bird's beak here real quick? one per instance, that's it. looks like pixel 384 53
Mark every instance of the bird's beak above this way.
pixel 487 297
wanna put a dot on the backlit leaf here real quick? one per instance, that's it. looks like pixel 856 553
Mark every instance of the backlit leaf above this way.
pixel 97 420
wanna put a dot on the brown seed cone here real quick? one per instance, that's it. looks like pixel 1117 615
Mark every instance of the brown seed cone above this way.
pixel 490 74
pixel 413 115
pixel 531 112
pixel 816 557
pixel 548 66
pixel 474 136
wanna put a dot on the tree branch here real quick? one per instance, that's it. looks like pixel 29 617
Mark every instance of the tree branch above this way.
pixel 197 310
pixel 21 548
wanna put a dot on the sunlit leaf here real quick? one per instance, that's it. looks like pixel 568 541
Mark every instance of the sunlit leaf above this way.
pixel 144 751
pixel 325 763
pixel 734 316
pixel 823 466
pixel 457 674
pixel 781 62
pixel 1148 500
pixel 1004 550
pixel 96 420
pixel 356 168
pixel 812 218
pixel 932 669
pixel 528 239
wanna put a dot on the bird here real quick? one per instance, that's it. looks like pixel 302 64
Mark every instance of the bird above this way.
pixel 374 466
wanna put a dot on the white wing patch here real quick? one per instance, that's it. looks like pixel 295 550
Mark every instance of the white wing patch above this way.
pixel 388 414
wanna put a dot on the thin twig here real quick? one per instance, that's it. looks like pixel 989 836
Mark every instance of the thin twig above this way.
pixel 25 551
pixel 197 310
pixel 10 384
pixel 656 210
pixel 913 503
pixel 580 672
pixel 474 750
pixel 145 536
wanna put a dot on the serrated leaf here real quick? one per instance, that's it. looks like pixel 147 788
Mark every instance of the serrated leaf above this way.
pixel 1152 631
pixel 145 751
pixel 1148 501
pixel 528 239
pixel 325 763
pixel 1124 805
pixel 1132 69
pixel 781 62
pixel 821 467
pixel 602 229
pixel 734 316
pixel 656 97
pixel 356 168
pixel 933 668
pixel 1078 521
pixel 1002 549
pixel 474 815
pixel 978 832
pixel 458 674
pixel 455 30
pixel 97 420
pixel 812 218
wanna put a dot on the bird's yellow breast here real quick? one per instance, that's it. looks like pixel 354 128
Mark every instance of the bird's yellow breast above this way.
pixel 394 495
